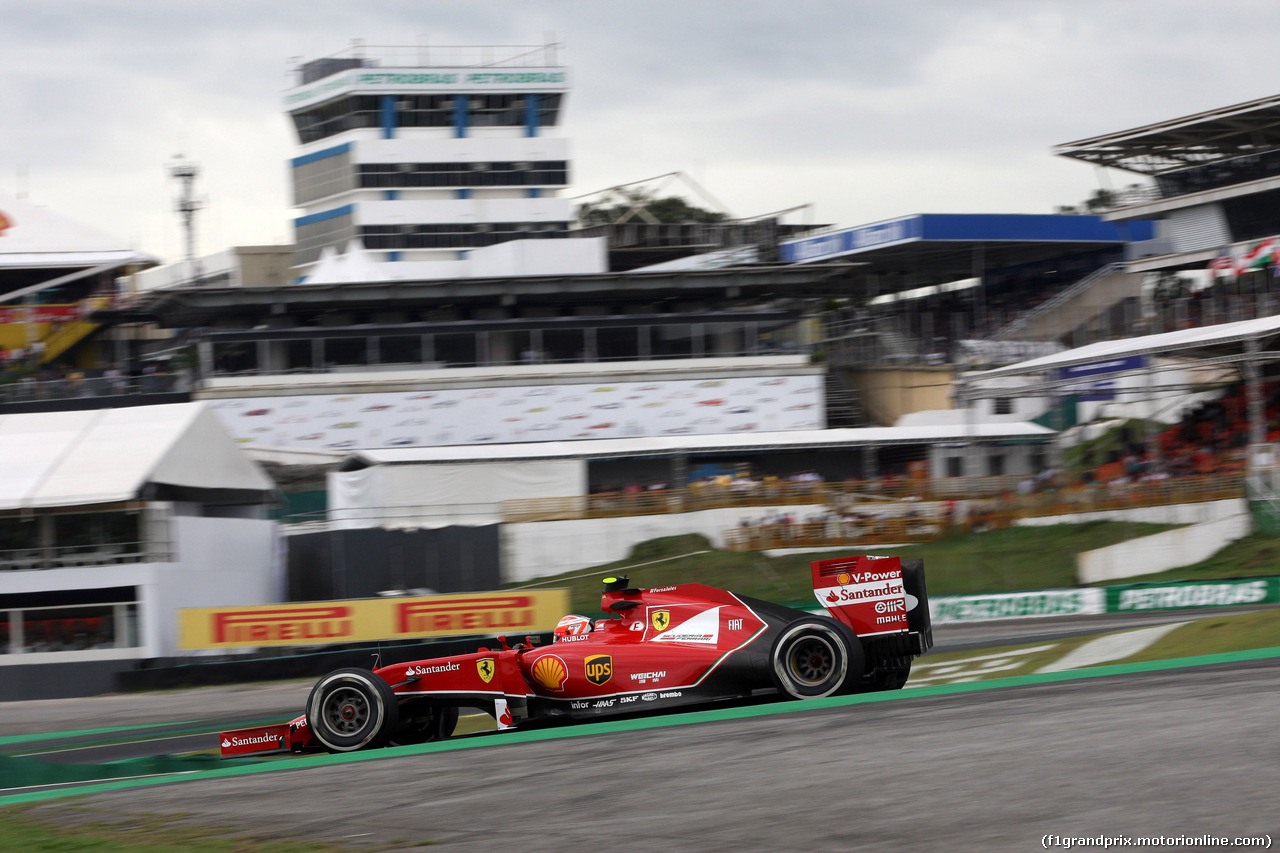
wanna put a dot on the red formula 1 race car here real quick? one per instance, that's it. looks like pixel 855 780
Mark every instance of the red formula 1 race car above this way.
pixel 658 649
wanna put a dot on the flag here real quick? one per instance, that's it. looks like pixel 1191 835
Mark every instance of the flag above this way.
pixel 1259 257
pixel 1222 263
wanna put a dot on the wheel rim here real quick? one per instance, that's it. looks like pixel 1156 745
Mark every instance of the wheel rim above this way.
pixel 811 661
pixel 346 711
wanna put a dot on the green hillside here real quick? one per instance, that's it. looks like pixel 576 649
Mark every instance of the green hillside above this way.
pixel 995 561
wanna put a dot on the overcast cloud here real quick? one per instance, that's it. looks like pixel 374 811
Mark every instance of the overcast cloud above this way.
pixel 866 111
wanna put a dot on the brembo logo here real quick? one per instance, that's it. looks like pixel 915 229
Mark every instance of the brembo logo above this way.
pixel 465 614
pixel 267 626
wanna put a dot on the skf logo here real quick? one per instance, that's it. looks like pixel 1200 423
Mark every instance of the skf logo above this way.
pixel 660 619
pixel 599 668
pixel 485 668
pixel 248 627
pixel 550 672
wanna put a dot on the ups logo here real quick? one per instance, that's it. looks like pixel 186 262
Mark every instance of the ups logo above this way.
pixel 599 668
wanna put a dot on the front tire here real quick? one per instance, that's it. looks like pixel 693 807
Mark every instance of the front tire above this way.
pixel 352 709
pixel 812 658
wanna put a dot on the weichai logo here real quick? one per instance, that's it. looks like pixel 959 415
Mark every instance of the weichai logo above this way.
pixel 465 614
pixel 599 668
pixel 302 624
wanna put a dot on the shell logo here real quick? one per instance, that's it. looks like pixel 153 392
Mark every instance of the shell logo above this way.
pixel 5 222
pixel 550 672
pixel 843 578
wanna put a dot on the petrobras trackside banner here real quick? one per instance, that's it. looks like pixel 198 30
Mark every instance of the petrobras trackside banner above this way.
pixel 1174 596
pixel 1016 605
pixel 362 620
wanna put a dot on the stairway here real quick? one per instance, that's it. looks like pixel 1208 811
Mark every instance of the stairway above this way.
pixel 844 406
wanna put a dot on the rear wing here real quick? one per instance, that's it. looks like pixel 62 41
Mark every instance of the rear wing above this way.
pixel 876 596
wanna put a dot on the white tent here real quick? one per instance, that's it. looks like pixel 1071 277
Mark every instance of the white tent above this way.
pixel 55 459
pixel 32 236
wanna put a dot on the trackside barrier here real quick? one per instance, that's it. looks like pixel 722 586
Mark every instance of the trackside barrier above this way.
pixel 1193 594
pixel 1126 598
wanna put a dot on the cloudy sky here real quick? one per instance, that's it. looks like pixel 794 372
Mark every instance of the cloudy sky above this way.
pixel 863 110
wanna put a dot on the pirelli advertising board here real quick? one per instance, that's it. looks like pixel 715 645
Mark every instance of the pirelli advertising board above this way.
pixel 324 622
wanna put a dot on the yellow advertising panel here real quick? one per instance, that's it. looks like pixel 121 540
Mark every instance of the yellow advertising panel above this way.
pixel 319 622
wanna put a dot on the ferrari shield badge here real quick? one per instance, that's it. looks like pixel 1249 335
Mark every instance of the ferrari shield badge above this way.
pixel 660 619
pixel 485 668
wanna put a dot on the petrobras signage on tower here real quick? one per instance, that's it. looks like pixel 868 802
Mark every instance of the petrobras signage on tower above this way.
pixel 408 80
pixel 850 240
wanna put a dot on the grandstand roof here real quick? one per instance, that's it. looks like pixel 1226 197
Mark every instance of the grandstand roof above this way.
pixel 192 306
pixel 729 443
pixel 1218 134
pixel 1225 343
pixel 933 247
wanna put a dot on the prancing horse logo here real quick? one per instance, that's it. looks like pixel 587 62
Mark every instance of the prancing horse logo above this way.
pixel 485 668
pixel 660 619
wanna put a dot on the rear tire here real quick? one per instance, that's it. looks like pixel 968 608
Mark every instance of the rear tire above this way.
pixel 813 658
pixel 352 709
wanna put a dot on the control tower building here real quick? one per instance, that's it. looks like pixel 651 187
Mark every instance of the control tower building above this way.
pixel 423 162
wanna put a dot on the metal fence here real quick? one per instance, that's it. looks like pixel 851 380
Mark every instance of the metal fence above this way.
pixel 983 513
pixel 842 497
pixel 65 556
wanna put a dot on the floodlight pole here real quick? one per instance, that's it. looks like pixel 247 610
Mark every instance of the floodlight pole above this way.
pixel 187 206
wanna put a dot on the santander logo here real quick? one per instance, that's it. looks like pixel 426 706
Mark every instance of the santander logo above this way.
pixel 246 741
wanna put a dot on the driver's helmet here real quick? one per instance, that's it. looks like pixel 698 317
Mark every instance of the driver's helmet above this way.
pixel 572 626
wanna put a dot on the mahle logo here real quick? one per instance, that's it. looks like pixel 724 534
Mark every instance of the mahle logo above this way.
pixel 660 619
pixel 485 668
pixel 599 668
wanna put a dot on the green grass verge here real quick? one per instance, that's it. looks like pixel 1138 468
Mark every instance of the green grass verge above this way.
pixel 997 561
pixel 1214 634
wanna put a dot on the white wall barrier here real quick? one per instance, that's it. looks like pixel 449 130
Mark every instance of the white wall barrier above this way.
pixel 1161 552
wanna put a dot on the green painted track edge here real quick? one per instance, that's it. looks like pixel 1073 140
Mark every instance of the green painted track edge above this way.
pixel 643 723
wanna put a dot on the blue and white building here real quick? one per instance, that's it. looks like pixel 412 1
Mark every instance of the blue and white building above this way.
pixel 417 163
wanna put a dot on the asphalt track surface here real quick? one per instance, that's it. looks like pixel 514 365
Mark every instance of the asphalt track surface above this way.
pixel 1187 751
